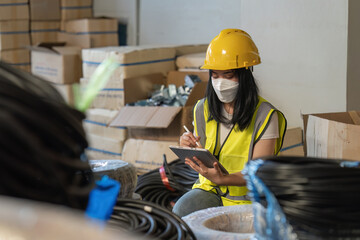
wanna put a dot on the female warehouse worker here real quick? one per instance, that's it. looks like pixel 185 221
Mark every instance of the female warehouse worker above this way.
pixel 233 122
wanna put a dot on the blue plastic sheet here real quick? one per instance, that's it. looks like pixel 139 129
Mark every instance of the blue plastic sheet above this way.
pixel 102 199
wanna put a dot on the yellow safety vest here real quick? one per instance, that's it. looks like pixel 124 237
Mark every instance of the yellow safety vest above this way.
pixel 237 149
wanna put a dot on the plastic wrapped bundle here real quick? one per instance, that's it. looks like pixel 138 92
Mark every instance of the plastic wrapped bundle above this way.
pixel 230 222
pixel 305 198
pixel 121 171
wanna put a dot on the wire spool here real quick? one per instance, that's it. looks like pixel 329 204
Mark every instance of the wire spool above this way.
pixel 230 222
pixel 42 142
pixel 121 171
pixel 319 197
pixel 150 220
pixel 165 185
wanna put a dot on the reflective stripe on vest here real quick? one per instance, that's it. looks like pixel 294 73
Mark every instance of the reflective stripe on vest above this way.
pixel 237 148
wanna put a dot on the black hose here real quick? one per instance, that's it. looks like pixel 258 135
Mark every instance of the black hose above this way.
pixel 319 198
pixel 153 187
pixel 161 223
pixel 42 142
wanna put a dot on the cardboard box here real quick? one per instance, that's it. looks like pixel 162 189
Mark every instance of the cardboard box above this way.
pixel 101 31
pixel 95 154
pixel 44 10
pixel 333 135
pixel 105 145
pixel 14 10
pixel 147 155
pixel 76 9
pixel 159 123
pixel 57 64
pixel 293 143
pixel 133 61
pixel 66 91
pixel 19 58
pixel 81 41
pixel 14 34
pixel 97 122
pixel 190 61
pixel 44 31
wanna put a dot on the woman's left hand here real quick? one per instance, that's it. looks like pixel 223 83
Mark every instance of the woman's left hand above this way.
pixel 213 174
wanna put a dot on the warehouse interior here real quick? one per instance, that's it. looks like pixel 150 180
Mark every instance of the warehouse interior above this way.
pixel 110 126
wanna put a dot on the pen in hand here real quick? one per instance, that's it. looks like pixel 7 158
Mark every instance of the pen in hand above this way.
pixel 187 130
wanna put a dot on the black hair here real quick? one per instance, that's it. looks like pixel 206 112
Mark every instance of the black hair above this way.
pixel 42 142
pixel 245 104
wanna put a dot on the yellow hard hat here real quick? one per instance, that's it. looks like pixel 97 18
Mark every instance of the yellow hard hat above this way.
pixel 231 49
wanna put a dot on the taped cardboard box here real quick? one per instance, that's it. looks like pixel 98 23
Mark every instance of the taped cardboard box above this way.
pixel 147 155
pixel 102 32
pixel 99 155
pixel 293 143
pixel 44 31
pixel 189 49
pixel 44 10
pixel 14 10
pixel 104 145
pixel 14 34
pixel 190 61
pixel 80 41
pixel 333 135
pixel 76 9
pixel 19 58
pixel 160 123
pixel 57 64
pixel 133 61
pixel 66 91
pixel 97 121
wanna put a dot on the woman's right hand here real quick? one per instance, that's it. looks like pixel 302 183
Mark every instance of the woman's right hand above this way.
pixel 189 140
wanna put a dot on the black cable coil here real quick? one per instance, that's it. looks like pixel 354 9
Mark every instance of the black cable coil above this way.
pixel 149 219
pixel 180 177
pixel 319 197
pixel 42 142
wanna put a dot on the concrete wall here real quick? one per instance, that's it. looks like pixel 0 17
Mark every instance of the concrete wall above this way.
pixel 303 45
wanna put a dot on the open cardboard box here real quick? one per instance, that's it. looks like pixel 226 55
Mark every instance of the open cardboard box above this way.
pixel 56 62
pixel 157 123
pixel 333 135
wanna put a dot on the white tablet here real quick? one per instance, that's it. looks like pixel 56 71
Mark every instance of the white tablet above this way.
pixel 202 154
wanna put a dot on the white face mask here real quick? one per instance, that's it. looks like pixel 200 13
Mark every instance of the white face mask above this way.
pixel 225 89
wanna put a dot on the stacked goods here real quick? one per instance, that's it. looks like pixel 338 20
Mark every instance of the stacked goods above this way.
pixel 133 61
pixel 101 32
pixel 14 33
pixel 75 9
pixel 44 31
pixel 45 20
pixel 105 142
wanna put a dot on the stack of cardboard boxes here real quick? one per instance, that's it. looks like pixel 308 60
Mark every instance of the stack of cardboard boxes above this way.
pixel 140 69
pixel 14 33
pixel 45 20
pixel 120 89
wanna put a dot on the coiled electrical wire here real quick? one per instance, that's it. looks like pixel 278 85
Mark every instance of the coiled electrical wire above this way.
pixel 42 142
pixel 149 219
pixel 180 177
pixel 320 198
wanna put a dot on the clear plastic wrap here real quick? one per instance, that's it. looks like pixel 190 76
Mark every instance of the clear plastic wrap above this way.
pixel 270 222
pixel 121 171
pixel 230 222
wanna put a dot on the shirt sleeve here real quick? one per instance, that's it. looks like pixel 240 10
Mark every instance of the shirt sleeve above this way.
pixel 272 131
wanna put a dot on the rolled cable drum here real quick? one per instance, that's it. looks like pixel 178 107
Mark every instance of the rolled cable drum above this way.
pixel 165 185
pixel 319 198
